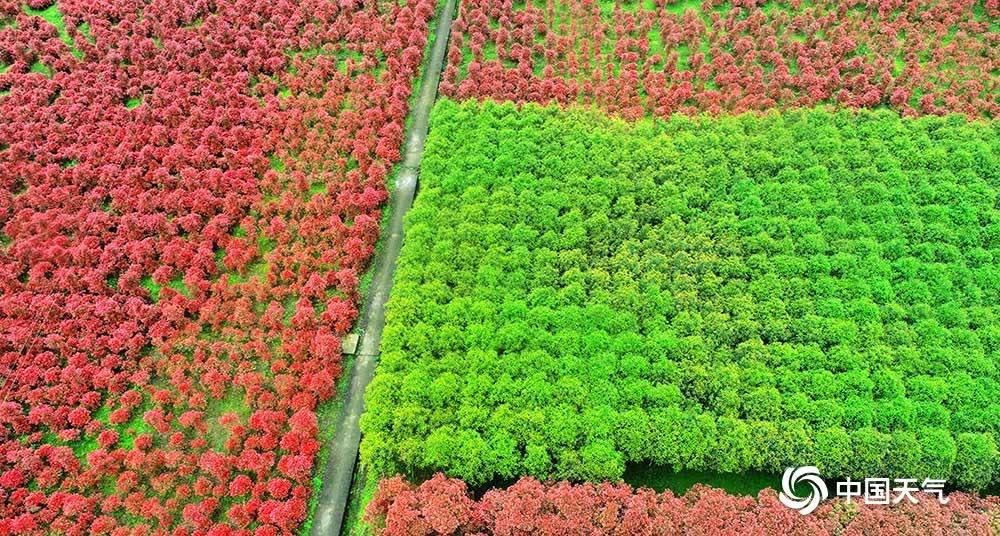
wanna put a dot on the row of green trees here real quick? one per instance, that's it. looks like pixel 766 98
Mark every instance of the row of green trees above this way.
pixel 726 294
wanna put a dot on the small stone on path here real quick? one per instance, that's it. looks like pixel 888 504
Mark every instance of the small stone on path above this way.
pixel 349 344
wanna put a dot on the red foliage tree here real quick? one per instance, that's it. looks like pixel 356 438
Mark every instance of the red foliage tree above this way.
pixel 158 210
pixel 443 506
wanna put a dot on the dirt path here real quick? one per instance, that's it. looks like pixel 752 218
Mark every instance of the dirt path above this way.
pixel 335 493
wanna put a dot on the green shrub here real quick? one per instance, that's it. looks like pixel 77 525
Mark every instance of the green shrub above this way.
pixel 716 294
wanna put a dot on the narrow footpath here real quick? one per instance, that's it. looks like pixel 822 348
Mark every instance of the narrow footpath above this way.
pixel 336 489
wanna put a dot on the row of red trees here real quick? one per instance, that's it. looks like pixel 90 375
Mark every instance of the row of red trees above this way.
pixel 918 57
pixel 190 191
pixel 442 506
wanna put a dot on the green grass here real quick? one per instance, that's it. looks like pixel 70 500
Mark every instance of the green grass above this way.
pixel 317 188
pixel 178 284
pixel 103 414
pixel 78 446
pixel 88 443
pixel 490 51
pixel 265 245
pixel 659 479
pixel 770 7
pixel 679 7
pixel 328 414
pixel 336 51
pixel 899 66
pixel 232 402
pixel 155 290
pixel 53 16
pixel 276 163
pixel 133 103
pixel 343 56
pixel 655 42
pixel 289 305
pixel 84 29
pixel 362 492
pixel 950 36
pixel 683 55
pixel 258 269
pixel 127 432
pixel 41 68
pixel 135 427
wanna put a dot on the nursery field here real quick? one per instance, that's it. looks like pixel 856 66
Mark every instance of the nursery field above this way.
pixel 577 293
pixel 636 57
pixel 443 506
pixel 653 243
pixel 191 193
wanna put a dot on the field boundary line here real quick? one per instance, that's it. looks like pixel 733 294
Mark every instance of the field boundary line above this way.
pixel 338 476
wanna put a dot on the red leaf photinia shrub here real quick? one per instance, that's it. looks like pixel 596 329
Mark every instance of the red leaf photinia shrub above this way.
pixel 917 58
pixel 442 506
pixel 180 180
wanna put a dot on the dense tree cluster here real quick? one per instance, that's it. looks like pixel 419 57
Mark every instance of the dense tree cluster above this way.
pixel 634 57
pixel 719 294
pixel 189 192
pixel 442 506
